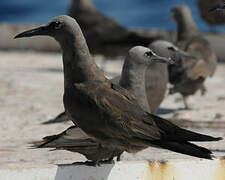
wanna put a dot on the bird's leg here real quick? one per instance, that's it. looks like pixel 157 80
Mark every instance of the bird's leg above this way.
pixel 110 160
pixel 87 163
pixel 185 99
pixel 203 89
pixel 99 162
pixel 99 152
pixel 96 162
pixel 118 157
pixel 172 90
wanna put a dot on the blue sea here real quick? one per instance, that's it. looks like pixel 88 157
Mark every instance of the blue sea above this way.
pixel 130 13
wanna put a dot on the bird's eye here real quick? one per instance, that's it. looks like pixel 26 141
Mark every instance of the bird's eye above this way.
pixel 171 48
pixel 149 54
pixel 56 25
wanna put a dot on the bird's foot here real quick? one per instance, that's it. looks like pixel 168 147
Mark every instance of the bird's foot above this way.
pixel 187 102
pixel 118 157
pixel 172 90
pixel 108 161
pixel 88 163
pixel 186 106
pixel 203 90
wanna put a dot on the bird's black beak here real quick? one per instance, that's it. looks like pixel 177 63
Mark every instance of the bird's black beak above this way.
pixel 42 30
pixel 161 59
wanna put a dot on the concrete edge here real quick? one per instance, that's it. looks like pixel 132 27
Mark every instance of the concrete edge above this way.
pixel 124 170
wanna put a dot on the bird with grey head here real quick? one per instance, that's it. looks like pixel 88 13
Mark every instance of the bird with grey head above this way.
pixel 156 76
pixel 188 75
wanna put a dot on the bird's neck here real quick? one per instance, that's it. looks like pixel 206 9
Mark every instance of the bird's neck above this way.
pixel 187 27
pixel 78 64
pixel 133 79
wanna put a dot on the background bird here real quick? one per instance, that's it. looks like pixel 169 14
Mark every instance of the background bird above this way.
pixel 156 76
pixel 212 18
pixel 188 75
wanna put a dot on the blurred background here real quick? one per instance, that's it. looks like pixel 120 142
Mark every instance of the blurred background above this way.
pixel 130 13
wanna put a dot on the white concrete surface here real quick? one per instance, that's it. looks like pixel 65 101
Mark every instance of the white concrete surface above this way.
pixel 31 88
pixel 133 170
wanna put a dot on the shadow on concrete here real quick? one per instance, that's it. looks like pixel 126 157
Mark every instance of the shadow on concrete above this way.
pixel 77 171
pixel 218 150
pixel 162 111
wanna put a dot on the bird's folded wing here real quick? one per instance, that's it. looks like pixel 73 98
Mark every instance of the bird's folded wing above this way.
pixel 205 63
pixel 125 119
pixel 71 137
pixel 124 115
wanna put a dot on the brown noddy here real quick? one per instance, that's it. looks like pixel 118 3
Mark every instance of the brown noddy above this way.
pixel 106 112
pixel 156 76
pixel 188 75
pixel 132 78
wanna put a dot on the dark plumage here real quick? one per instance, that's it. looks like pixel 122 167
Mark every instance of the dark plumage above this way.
pixel 220 5
pixel 208 12
pixel 132 78
pixel 189 74
pixel 104 111
pixel 104 35
pixel 75 140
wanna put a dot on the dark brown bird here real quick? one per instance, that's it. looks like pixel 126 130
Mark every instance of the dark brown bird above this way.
pixel 104 111
pixel 132 78
pixel 188 75
pixel 209 15
pixel 105 35
pixel 220 5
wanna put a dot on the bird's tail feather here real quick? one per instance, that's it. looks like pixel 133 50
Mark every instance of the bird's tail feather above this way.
pixel 175 133
pixel 184 148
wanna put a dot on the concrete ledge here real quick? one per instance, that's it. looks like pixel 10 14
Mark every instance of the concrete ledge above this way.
pixel 125 170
